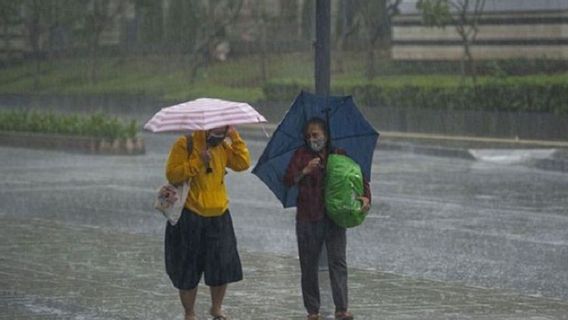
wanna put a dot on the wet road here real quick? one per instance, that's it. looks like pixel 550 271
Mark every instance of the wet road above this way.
pixel 474 222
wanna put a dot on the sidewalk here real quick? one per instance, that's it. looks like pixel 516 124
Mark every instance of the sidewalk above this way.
pixel 50 270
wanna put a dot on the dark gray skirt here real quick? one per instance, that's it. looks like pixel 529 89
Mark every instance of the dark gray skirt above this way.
pixel 199 245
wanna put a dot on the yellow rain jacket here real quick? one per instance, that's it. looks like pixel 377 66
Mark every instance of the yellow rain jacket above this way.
pixel 207 193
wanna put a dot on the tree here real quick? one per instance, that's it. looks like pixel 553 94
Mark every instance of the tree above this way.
pixel 374 17
pixel 288 18
pixel 377 21
pixel 260 20
pixel 213 18
pixel 182 22
pixel 41 18
pixel 98 16
pixel 149 15
pixel 9 18
pixel 34 23
pixel 346 26
pixel 62 17
pixel 464 15
pixel 307 23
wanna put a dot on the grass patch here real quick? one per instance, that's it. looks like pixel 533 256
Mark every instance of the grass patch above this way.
pixel 96 125
pixel 240 79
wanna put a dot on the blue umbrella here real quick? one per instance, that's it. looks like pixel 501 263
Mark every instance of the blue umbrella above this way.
pixel 349 130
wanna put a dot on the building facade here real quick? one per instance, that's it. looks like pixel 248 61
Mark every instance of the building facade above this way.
pixel 508 29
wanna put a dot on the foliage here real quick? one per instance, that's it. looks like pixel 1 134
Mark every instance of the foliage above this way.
pixel 464 15
pixel 95 125
pixel 435 12
pixel 151 24
pixel 308 11
pixel 97 16
pixel 514 94
pixel 207 27
pixel 8 19
pixel 182 24
pixel 240 80
pixel 374 18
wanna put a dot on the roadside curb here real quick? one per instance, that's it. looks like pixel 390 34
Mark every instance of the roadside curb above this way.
pixel 448 146
pixel 259 133
pixel 91 145
pixel 417 143
pixel 440 151
pixel 426 150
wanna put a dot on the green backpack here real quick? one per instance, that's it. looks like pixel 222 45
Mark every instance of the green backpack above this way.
pixel 343 185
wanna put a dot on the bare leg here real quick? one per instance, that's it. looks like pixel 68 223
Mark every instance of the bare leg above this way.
pixel 187 298
pixel 217 296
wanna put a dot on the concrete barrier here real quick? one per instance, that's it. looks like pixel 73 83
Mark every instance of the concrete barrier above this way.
pixel 92 145
pixel 474 123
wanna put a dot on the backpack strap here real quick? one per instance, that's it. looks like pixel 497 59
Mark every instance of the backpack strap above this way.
pixel 189 145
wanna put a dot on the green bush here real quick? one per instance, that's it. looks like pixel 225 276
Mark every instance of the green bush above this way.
pixel 95 125
pixel 514 94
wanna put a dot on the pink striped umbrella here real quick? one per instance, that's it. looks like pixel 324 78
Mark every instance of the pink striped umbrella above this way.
pixel 203 114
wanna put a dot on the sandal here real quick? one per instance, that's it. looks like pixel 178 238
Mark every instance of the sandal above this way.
pixel 343 315
pixel 221 316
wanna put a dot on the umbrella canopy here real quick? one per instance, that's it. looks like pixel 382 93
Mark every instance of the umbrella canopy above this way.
pixel 349 130
pixel 203 114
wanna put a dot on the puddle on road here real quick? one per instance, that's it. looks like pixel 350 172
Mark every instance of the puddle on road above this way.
pixel 508 156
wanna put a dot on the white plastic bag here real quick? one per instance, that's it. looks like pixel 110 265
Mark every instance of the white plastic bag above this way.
pixel 170 201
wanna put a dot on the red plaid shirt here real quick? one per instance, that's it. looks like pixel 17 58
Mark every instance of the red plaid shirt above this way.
pixel 311 205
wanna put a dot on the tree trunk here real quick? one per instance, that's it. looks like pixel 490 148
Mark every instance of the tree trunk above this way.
pixel 7 39
pixel 37 69
pixel 346 27
pixel 263 55
pixel 194 65
pixel 371 61
pixel 308 12
pixel 197 59
pixel 469 61
pixel 463 70
pixel 94 57
pixel 34 30
pixel 36 55
pixel 382 34
pixel 385 48
pixel 211 30
pixel 339 55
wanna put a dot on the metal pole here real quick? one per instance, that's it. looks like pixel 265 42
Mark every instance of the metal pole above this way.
pixel 322 70
pixel 322 47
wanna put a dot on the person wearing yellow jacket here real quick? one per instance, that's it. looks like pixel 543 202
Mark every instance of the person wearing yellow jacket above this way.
pixel 203 241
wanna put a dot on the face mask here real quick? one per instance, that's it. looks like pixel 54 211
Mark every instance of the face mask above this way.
pixel 215 140
pixel 317 144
